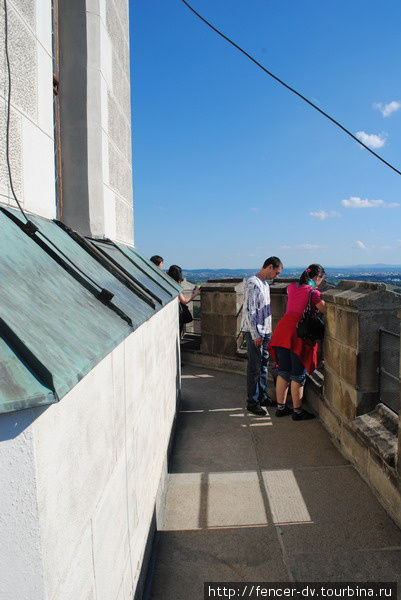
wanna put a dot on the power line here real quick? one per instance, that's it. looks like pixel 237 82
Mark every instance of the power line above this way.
pixel 291 89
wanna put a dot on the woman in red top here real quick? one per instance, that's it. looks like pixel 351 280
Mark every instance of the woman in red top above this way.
pixel 295 356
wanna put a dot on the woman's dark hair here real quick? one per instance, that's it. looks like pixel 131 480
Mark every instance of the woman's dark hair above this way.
pixel 176 273
pixel 157 260
pixel 311 272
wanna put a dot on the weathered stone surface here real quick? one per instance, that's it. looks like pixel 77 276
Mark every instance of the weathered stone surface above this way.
pixel 207 342
pixel 366 401
pixel 222 302
pixel 330 421
pixel 353 449
pixel 219 345
pixel 278 304
pixel 383 484
pixel 343 360
pixel 224 285
pixel 330 318
pixel 226 303
pixel 363 295
pixel 207 302
pixel 212 324
pixel 347 327
pixel 231 325
pixel 340 395
pixel 377 430
pixel 367 371
pixel 224 345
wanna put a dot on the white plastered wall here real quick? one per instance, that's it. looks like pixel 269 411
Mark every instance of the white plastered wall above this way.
pixel 93 467
pixel 31 108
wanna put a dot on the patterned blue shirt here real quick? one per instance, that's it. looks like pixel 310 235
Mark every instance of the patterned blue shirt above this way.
pixel 256 313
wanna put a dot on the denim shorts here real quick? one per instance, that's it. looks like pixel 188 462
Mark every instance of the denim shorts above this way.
pixel 290 367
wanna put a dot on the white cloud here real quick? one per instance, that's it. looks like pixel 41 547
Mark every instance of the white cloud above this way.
pixel 301 247
pixel 254 209
pixel 387 109
pixel 308 247
pixel 355 202
pixel 323 214
pixel 360 245
pixel 371 139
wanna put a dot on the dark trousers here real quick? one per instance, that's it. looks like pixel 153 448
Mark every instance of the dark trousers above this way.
pixel 257 369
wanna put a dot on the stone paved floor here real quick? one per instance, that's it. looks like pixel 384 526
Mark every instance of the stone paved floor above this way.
pixel 263 499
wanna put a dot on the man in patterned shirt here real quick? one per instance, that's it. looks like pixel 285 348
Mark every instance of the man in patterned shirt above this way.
pixel 257 326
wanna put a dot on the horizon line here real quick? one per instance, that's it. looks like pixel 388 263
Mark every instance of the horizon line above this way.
pixel 297 267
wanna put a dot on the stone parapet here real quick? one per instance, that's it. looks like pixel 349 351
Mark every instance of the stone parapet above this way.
pixel 278 298
pixel 355 311
pixel 367 432
pixel 221 306
pixel 194 307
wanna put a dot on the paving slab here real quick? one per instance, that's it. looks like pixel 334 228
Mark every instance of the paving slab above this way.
pixel 204 500
pixel 187 559
pixel 262 499
pixel 199 389
pixel 355 565
pixel 344 512
pixel 210 441
pixel 290 444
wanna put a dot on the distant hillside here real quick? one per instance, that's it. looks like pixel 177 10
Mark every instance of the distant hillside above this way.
pixel 388 274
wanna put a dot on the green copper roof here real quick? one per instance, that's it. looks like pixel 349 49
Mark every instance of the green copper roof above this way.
pixel 150 267
pixel 19 388
pixel 151 282
pixel 57 324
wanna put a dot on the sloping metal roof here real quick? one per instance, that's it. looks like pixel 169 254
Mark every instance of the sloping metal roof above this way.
pixel 64 308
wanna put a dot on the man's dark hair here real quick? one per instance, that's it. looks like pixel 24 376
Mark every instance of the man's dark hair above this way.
pixel 157 260
pixel 274 261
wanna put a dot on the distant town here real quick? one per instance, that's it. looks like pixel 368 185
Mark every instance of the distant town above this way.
pixel 388 274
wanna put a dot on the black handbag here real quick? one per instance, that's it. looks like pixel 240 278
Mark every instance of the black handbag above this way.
pixel 311 324
pixel 185 314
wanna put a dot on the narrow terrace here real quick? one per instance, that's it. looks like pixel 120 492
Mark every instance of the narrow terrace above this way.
pixel 262 499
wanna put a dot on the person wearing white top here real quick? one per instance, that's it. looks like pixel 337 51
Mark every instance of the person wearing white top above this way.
pixel 256 325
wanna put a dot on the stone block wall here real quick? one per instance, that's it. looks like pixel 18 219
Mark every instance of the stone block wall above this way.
pixel 194 306
pixel 354 313
pixel 366 431
pixel 221 302
pixel 278 298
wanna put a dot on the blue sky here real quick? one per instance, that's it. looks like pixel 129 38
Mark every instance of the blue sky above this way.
pixel 230 167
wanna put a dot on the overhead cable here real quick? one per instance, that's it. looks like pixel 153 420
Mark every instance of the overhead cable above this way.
pixel 291 89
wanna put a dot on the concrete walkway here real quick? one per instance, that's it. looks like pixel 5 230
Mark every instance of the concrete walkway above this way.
pixel 263 499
